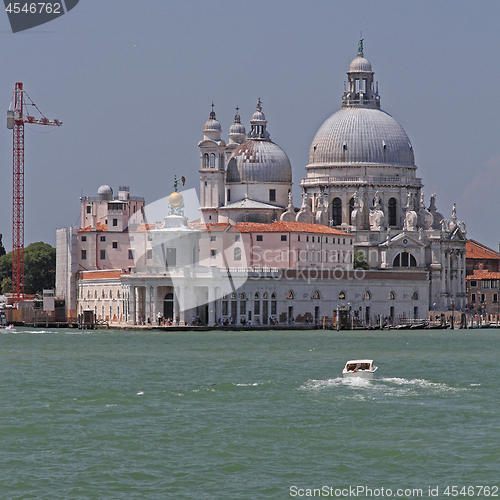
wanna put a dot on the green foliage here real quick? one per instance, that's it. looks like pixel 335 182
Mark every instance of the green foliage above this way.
pixel 6 286
pixel 39 267
pixel 2 248
pixel 360 261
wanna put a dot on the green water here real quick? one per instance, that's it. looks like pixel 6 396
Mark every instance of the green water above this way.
pixel 228 415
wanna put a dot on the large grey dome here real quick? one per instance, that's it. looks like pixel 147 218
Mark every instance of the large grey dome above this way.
pixel 259 161
pixel 361 135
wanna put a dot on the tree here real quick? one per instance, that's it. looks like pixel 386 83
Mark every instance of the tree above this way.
pixel 360 261
pixel 6 286
pixel 2 248
pixel 39 268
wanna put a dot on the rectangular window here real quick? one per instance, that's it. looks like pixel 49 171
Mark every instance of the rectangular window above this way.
pixel 307 238
pixel 283 237
pixel 103 254
pixel 272 195
pixel 273 307
pixel 224 308
pixel 228 195
pixel 213 238
pixel 131 238
pixel 473 283
pixel 131 254
pixel 84 238
pixel 149 254
pixel 313 239
pixel 213 254
pixel 494 284
pixel 84 254
pixel 243 307
pixel 259 237
pixel 89 209
pixel 486 284
pixel 298 237
pixel 115 222
pixel 343 242
pixel 103 238
pixel 473 297
pixel 115 244
pixel 256 307
pixel 171 257
pixel 483 297
pixel 326 240
pixel 495 297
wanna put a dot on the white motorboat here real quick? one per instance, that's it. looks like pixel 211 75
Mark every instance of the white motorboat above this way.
pixel 362 368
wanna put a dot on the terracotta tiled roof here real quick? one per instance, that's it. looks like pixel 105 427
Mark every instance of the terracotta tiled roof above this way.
pixel 142 228
pixel 285 227
pixel 483 275
pixel 274 227
pixel 107 273
pixel 99 227
pixel 476 250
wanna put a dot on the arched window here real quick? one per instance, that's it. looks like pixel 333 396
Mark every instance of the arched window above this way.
pixel 392 212
pixel 404 259
pixel 265 296
pixel 274 307
pixel 242 296
pixel 342 295
pixel 290 295
pixel 212 160
pixel 316 295
pixel 111 294
pixel 256 295
pixel 351 208
pixel 367 295
pixel 337 211
pixel 392 295
pixel 205 161
pixel 414 296
pixel 237 253
pixel 233 296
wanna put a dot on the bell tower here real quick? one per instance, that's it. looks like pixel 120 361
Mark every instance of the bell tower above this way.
pixel 212 169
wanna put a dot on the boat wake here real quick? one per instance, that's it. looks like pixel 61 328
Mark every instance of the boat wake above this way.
pixel 387 386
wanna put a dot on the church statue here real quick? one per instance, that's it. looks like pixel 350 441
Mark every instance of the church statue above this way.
pixel 410 223
pixel 376 216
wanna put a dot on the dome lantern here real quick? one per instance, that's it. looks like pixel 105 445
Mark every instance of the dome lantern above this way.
pixel 259 124
pixel 360 90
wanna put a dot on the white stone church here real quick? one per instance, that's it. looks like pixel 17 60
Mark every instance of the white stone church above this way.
pixel 360 193
pixel 361 178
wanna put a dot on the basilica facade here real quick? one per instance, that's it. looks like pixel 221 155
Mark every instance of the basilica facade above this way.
pixel 361 178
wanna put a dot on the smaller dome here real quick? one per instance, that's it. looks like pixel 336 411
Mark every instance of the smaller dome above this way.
pixel 237 127
pixel 259 116
pixel 360 64
pixel 175 199
pixel 105 192
pixel 212 124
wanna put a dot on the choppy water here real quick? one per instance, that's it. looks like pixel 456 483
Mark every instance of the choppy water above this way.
pixel 228 415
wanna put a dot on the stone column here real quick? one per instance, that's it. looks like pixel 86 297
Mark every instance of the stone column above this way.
pixel 211 306
pixel 155 305
pixel 131 306
pixel 176 304
pixel 136 305
pixel 147 298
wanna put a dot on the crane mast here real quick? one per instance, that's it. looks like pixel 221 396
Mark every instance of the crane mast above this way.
pixel 16 118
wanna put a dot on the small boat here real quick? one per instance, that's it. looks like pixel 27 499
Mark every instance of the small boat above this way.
pixel 362 368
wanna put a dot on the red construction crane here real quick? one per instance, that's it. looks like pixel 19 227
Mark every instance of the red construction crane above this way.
pixel 16 118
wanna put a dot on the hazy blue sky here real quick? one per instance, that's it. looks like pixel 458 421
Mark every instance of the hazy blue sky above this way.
pixel 133 82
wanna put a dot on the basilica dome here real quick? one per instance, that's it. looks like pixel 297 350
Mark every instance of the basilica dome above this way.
pixel 259 161
pixel 364 135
